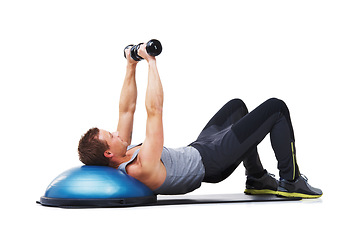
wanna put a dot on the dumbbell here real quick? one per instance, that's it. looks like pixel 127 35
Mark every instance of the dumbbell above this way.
pixel 153 48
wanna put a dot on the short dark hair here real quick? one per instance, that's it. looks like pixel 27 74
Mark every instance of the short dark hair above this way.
pixel 91 149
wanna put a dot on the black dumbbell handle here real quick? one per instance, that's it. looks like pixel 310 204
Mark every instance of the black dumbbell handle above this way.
pixel 134 52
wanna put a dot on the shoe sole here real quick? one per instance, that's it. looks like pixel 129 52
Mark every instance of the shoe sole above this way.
pixel 278 193
pixel 294 194
pixel 260 192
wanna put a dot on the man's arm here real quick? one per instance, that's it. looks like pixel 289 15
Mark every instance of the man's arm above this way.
pixel 152 147
pixel 127 104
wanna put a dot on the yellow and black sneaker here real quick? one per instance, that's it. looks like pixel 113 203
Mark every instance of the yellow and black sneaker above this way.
pixel 266 184
pixel 299 188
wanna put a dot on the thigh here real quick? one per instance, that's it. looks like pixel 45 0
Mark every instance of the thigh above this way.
pixel 223 154
pixel 229 114
pixel 262 119
pixel 220 154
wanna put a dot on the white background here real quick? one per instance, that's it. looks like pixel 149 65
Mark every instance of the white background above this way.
pixel 61 70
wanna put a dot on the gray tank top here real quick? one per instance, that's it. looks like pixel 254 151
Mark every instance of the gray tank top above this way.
pixel 184 170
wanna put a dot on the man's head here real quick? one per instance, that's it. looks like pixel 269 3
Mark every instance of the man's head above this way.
pixel 91 149
pixel 102 148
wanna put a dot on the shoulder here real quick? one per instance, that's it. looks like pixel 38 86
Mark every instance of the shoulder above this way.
pixel 151 175
pixel 134 168
pixel 137 168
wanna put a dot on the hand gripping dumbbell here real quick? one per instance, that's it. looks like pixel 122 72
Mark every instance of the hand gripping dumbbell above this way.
pixel 153 48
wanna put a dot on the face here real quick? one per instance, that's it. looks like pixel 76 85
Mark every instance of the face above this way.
pixel 117 147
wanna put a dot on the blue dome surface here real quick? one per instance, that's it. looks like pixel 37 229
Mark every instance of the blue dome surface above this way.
pixel 95 183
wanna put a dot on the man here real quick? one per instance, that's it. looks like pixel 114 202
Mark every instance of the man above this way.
pixel 230 137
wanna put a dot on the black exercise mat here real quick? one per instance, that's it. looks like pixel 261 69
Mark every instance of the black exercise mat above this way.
pixel 218 198
pixel 162 200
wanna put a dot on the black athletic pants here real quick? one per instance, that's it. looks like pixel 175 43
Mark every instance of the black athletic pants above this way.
pixel 232 136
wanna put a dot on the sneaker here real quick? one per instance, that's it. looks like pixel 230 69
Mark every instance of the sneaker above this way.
pixel 299 188
pixel 267 184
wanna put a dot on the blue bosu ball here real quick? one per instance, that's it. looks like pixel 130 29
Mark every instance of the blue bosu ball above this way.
pixel 96 186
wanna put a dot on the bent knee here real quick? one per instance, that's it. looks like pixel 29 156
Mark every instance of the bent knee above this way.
pixel 276 101
pixel 237 102
pixel 278 104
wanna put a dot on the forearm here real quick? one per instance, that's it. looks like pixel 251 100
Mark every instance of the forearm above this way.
pixel 154 93
pixel 151 150
pixel 152 147
pixel 128 94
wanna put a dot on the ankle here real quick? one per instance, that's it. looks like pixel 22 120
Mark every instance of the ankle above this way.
pixel 258 174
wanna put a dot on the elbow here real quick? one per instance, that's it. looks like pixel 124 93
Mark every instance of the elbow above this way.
pixel 154 106
pixel 132 108
pixel 153 110
pixel 128 109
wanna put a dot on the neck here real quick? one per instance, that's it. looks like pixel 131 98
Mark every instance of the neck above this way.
pixel 115 162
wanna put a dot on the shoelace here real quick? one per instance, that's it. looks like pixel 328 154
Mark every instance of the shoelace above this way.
pixel 304 177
